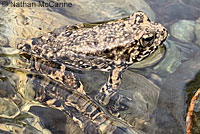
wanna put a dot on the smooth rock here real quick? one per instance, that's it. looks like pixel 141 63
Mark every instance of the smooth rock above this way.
pixel 195 3
pixel 103 10
pixel 176 53
pixel 197 31
pixel 21 23
pixel 183 30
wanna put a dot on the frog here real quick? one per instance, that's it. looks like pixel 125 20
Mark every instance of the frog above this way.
pixel 108 47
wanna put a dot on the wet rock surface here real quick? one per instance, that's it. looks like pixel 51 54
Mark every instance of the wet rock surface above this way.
pixel 171 11
pixel 103 10
pixel 183 30
pixel 176 53
pixel 21 23
pixel 194 3
pixel 197 31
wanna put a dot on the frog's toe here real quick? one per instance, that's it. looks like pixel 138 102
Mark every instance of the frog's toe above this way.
pixel 118 103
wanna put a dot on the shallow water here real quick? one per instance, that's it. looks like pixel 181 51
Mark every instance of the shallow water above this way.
pixel 160 91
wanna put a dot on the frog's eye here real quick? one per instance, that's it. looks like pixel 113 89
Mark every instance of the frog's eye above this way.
pixel 147 40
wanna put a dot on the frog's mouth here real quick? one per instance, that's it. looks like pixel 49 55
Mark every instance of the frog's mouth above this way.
pixel 151 60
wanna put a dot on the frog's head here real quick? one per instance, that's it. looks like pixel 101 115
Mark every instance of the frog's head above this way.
pixel 149 36
pixel 139 38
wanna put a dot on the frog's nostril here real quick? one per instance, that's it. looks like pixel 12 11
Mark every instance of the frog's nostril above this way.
pixel 162 33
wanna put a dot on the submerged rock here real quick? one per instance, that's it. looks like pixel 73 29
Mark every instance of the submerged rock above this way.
pixel 176 53
pixel 195 3
pixel 197 31
pixel 183 30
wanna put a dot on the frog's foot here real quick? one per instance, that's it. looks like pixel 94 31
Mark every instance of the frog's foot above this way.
pixel 114 101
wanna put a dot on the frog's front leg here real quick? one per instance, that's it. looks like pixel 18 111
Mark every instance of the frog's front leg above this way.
pixel 110 87
pixel 109 96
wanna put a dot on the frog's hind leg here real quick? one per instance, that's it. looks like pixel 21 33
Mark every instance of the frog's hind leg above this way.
pixel 54 71
pixel 109 96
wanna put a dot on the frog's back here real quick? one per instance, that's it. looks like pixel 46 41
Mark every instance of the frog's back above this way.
pixel 99 38
pixel 91 40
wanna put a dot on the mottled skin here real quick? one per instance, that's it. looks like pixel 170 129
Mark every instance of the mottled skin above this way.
pixel 110 47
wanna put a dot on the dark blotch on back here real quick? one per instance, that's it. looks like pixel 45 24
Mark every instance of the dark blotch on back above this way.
pixel 27 46
pixel 106 51
pixel 30 75
pixel 68 33
pixel 94 67
pixel 34 41
pixel 119 48
pixel 126 52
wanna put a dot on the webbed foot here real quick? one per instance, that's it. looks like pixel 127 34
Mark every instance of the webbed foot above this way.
pixel 114 102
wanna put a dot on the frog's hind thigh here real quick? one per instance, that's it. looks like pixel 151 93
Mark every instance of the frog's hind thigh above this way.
pixel 55 71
